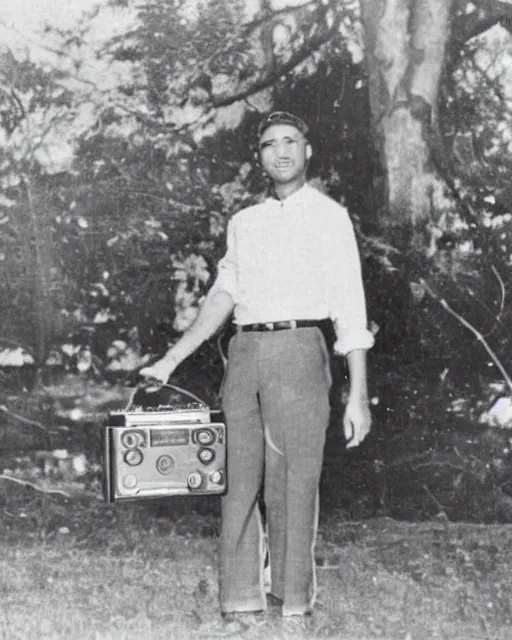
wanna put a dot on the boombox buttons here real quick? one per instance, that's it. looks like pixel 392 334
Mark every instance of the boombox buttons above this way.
pixel 133 457
pixel 217 477
pixel 132 439
pixel 206 437
pixel 206 456
pixel 165 465
pixel 195 480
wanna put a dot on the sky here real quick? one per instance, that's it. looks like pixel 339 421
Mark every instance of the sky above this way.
pixel 29 14
pixel 21 30
pixel 21 19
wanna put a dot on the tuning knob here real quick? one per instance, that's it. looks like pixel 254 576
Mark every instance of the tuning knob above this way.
pixel 195 480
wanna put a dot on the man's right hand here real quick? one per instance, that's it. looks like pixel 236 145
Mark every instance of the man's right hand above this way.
pixel 160 371
pixel 213 312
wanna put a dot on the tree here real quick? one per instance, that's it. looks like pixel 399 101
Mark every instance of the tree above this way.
pixel 405 48
pixel 35 112
pixel 409 44
pixel 173 100
pixel 411 48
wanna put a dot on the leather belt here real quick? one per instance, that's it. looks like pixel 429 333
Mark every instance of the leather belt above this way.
pixel 280 325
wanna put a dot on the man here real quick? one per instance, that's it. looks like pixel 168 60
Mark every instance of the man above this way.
pixel 291 265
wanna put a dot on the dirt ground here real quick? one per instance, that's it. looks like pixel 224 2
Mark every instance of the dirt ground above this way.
pixel 76 567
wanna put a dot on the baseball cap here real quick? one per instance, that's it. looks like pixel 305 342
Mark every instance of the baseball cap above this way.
pixel 283 117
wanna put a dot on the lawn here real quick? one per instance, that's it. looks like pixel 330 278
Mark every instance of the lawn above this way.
pixel 75 567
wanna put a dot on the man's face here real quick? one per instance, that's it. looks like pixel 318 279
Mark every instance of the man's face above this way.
pixel 284 153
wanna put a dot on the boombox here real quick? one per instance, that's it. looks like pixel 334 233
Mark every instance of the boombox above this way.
pixel 163 451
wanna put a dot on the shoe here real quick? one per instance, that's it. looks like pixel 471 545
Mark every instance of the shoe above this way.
pixel 233 624
pixel 273 601
pixel 221 629
pixel 246 617
pixel 274 606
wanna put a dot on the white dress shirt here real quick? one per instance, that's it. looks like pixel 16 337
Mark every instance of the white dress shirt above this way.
pixel 296 259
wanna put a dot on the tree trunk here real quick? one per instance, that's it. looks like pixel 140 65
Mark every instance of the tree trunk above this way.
pixel 405 47
pixel 41 268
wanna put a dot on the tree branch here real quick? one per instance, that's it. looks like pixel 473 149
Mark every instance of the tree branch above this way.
pixel 268 15
pixel 273 75
pixel 22 419
pixel 487 14
pixel 471 328
pixel 31 485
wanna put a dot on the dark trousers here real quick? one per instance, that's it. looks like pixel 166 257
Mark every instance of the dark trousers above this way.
pixel 276 403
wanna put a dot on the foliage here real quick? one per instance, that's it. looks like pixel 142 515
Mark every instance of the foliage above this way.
pixel 130 240
pixel 123 160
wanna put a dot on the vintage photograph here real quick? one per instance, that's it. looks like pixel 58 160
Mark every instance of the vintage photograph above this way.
pixel 255 294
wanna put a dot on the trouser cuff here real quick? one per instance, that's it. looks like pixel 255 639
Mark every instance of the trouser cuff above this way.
pixel 252 606
pixel 303 610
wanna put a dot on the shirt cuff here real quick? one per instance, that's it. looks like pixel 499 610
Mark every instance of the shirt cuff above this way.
pixel 350 339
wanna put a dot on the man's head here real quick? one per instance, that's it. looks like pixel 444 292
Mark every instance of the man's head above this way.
pixel 283 117
pixel 284 149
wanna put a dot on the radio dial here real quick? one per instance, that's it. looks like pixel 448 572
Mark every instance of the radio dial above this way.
pixel 133 457
pixel 132 439
pixel 165 464
pixel 206 456
pixel 195 480
pixel 205 437
pixel 217 477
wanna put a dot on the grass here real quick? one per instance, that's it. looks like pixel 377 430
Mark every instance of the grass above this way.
pixel 118 573
pixel 78 568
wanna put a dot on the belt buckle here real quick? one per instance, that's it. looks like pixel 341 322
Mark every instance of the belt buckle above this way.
pixel 269 326
pixel 293 324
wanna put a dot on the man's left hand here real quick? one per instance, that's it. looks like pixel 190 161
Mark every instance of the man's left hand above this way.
pixel 357 422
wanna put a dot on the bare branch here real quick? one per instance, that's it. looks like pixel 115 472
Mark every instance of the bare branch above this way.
pixel 314 15
pixel 442 508
pixel 273 75
pixel 502 289
pixel 22 419
pixel 267 15
pixel 486 14
pixel 150 122
pixel 31 485
pixel 473 330
pixel 497 318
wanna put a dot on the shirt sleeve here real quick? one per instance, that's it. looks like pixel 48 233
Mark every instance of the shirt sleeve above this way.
pixel 347 302
pixel 227 270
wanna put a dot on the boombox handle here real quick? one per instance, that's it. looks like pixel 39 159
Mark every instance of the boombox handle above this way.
pixel 169 386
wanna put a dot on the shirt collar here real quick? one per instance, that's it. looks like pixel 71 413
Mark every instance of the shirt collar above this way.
pixel 296 195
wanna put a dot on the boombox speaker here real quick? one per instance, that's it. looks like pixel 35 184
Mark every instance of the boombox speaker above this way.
pixel 164 451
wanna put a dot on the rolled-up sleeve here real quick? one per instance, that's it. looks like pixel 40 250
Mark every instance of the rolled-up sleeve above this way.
pixel 227 270
pixel 347 299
